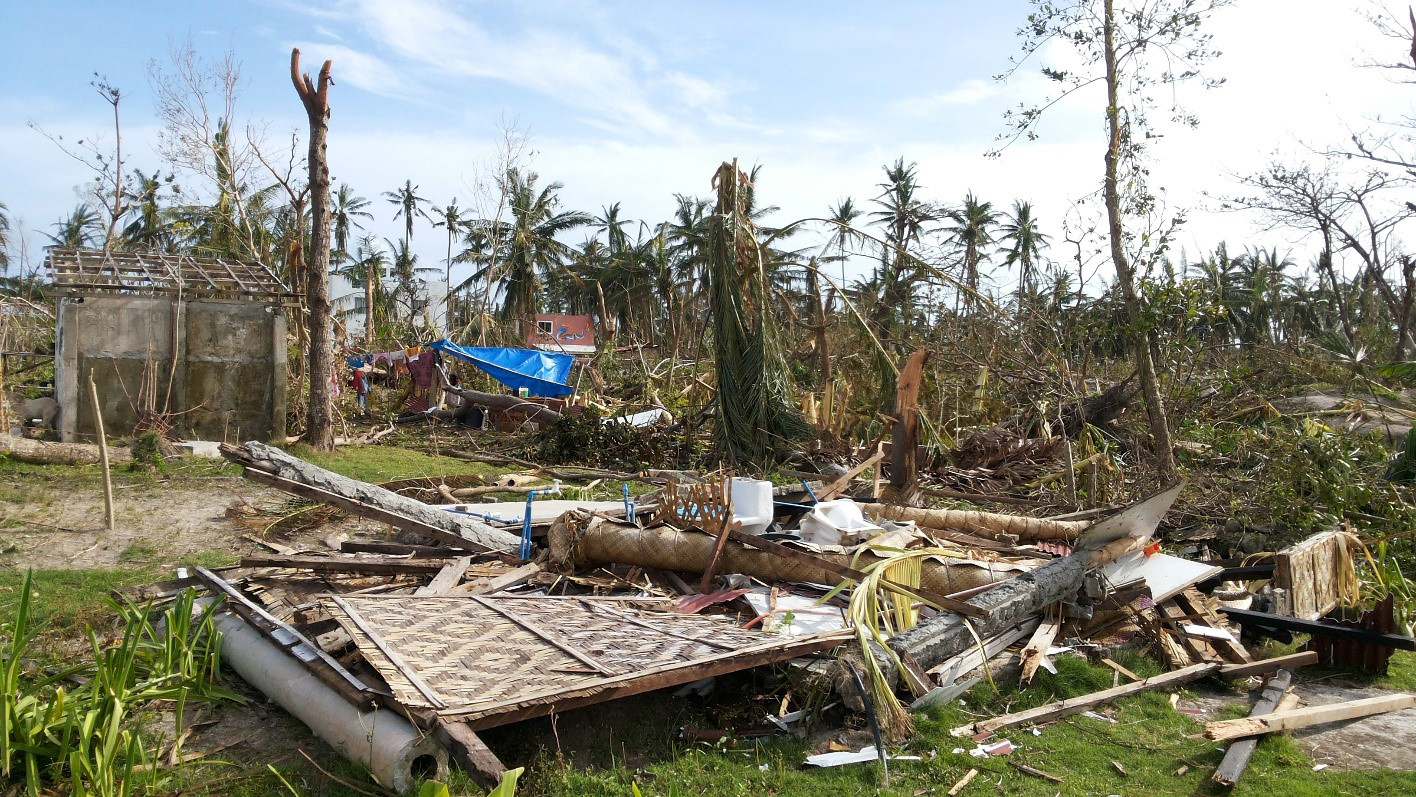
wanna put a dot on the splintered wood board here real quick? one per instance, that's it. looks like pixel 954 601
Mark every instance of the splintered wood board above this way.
pixel 1311 572
pixel 1166 575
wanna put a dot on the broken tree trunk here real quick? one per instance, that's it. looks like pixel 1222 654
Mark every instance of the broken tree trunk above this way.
pixel 904 440
pixel 946 635
pixel 476 534
pixel 577 540
pixel 38 452
pixel 983 524
pixel 1236 758
pixel 532 410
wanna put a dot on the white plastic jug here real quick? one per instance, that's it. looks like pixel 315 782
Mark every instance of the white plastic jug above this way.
pixel 752 504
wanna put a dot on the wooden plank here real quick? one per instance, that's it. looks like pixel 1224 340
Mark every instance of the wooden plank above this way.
pixel 1229 647
pixel 486 586
pixel 447 578
pixel 1236 758
pixel 1264 666
pixel 361 509
pixel 1036 649
pixel 1294 719
pixel 469 752
pixel 1076 705
pixel 834 488
pixel 1121 670
pixel 1174 619
pixel 344 564
pixel 846 572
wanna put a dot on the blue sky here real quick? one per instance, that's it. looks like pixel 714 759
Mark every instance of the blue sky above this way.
pixel 634 101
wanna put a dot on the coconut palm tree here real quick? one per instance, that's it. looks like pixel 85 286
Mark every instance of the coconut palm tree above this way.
pixel 366 270
pixel 409 205
pixel 972 231
pixel 532 248
pixel 345 215
pixel 151 228
pixel 450 218
pixel 4 239
pixel 1024 242
pixel 78 230
pixel 905 219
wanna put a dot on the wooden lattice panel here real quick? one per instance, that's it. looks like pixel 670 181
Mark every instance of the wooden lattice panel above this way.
pixel 700 506
pixel 490 660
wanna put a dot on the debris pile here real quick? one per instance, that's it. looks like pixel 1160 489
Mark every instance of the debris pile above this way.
pixel 481 615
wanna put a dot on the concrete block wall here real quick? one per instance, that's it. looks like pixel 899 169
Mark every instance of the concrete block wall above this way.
pixel 228 382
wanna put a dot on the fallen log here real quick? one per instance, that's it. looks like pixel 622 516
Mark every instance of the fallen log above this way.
pixel 40 452
pixel 1236 758
pixel 982 524
pixel 531 410
pixel 1008 604
pixel 370 500
pixel 577 540
pixel 1307 717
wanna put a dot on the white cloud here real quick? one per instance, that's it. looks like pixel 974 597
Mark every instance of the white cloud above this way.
pixel 429 33
pixel 360 70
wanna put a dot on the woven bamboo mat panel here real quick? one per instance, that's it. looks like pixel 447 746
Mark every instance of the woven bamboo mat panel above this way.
pixel 476 655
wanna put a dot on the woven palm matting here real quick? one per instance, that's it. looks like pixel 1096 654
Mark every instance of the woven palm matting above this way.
pixel 477 657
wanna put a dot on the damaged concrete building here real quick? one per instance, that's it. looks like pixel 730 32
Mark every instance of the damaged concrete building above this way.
pixel 196 343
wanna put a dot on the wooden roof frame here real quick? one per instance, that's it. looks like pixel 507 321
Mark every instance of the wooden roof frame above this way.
pixel 79 272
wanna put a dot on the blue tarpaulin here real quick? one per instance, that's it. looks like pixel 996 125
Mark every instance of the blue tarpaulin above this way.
pixel 543 374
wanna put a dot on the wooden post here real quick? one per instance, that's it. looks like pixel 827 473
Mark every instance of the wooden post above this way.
pixel 102 456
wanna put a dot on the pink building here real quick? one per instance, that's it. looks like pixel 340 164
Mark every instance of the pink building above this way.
pixel 569 334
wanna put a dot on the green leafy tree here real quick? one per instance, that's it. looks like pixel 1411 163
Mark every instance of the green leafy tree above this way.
pixel 1133 52
pixel 532 246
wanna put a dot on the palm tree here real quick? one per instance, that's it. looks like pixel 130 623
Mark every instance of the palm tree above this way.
pixel 1025 241
pixel 450 218
pixel 151 228
pixel 345 214
pixel 972 231
pixel 404 271
pixel 905 219
pixel 4 239
pixel 610 223
pixel 409 205
pixel 532 247
pixel 843 232
pixel 78 230
pixel 366 270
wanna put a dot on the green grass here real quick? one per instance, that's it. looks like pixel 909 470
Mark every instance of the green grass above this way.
pixel 1150 740
pixel 387 463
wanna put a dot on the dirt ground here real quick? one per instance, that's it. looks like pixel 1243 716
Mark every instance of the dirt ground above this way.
pixel 161 521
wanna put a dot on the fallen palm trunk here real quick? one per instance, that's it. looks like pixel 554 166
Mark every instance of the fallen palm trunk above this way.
pixel 946 635
pixel 577 540
pixel 39 452
pixel 532 410
pixel 983 524
pixel 349 494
